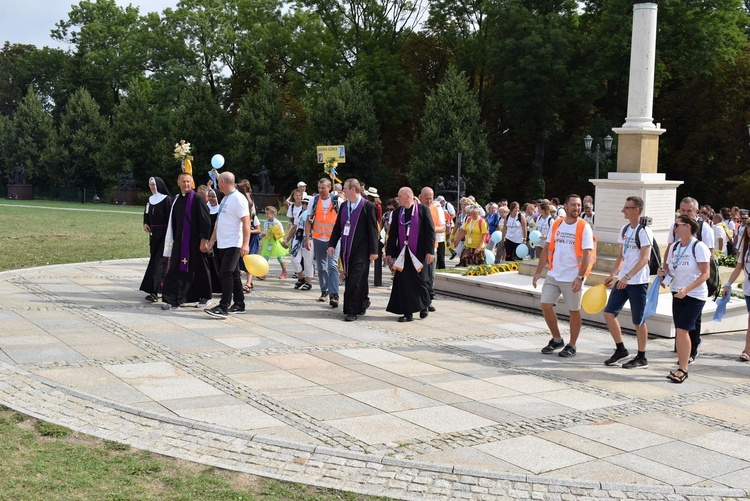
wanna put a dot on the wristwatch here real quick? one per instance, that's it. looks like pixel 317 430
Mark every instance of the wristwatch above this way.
pixel 627 277
pixel 581 278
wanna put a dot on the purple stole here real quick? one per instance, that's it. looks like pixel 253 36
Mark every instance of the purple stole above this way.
pixel 348 240
pixel 185 246
pixel 411 238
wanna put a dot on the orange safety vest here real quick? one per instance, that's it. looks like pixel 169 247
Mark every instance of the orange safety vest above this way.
pixel 323 223
pixel 580 226
pixel 435 220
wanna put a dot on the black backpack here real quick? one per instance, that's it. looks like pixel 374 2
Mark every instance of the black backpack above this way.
pixel 714 279
pixel 654 260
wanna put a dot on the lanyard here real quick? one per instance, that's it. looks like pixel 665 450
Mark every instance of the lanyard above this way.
pixel 676 258
pixel 627 242
pixel 223 201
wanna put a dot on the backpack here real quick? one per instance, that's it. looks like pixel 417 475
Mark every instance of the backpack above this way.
pixel 714 278
pixel 731 250
pixel 654 260
pixel 580 225
pixel 334 204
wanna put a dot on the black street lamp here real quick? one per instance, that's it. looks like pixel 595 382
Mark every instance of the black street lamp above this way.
pixel 597 154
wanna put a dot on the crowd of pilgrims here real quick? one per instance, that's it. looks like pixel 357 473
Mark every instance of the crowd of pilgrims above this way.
pixel 470 232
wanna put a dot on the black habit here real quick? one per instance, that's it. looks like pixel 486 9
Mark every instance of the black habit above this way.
pixel 157 217
pixel 357 267
pixel 195 284
pixel 409 293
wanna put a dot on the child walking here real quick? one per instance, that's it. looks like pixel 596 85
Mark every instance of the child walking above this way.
pixel 271 240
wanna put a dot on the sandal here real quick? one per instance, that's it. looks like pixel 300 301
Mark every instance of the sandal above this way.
pixel 678 376
pixel 745 357
pixel 247 288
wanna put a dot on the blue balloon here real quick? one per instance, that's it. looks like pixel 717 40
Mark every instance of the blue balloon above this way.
pixel 217 161
pixel 496 237
pixel 535 236
pixel 522 251
pixel 489 256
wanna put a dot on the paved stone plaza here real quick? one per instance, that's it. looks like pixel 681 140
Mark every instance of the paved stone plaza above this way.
pixel 461 405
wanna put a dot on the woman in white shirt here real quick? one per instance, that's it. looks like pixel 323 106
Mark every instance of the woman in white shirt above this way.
pixel 685 272
pixel 515 231
pixel 743 265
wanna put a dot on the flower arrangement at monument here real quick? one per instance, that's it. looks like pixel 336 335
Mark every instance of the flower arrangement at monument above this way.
pixel 490 269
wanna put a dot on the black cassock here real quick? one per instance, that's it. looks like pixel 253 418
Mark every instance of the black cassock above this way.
pixel 195 284
pixel 357 267
pixel 157 217
pixel 409 293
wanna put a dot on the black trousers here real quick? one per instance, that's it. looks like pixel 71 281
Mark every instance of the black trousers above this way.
pixel 440 256
pixel 229 275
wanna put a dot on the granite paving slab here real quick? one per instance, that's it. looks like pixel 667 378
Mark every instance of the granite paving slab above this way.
pixel 461 405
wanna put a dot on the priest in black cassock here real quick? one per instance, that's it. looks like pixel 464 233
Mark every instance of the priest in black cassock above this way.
pixel 188 278
pixel 357 228
pixel 410 246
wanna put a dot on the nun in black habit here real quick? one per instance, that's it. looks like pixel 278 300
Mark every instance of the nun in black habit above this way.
pixel 155 220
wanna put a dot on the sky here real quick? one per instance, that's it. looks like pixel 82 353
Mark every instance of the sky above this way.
pixel 30 21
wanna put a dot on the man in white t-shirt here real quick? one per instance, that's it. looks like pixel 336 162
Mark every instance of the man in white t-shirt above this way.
pixel 632 273
pixel 720 235
pixel 689 207
pixel 232 237
pixel 569 251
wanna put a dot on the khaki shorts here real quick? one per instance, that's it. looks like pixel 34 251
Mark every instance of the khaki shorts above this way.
pixel 552 289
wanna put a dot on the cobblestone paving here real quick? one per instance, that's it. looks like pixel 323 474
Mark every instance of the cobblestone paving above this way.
pixel 459 406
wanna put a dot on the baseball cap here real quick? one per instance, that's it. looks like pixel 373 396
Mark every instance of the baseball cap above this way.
pixel 440 198
pixel 301 184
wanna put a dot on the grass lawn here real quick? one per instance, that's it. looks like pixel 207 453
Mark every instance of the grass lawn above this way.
pixel 45 461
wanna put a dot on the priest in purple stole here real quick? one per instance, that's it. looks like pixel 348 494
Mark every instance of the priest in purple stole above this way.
pixel 357 229
pixel 410 246
pixel 188 277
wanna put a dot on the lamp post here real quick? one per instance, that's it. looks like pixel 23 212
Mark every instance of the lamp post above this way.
pixel 597 154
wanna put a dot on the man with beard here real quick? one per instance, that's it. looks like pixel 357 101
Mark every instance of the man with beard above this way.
pixel 188 278
pixel 357 228
pixel 568 251
pixel 410 250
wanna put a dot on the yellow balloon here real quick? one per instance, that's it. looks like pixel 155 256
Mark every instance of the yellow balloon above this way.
pixel 595 299
pixel 256 264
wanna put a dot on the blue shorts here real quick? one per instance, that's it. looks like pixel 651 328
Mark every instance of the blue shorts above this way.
pixel 686 311
pixel 747 303
pixel 636 294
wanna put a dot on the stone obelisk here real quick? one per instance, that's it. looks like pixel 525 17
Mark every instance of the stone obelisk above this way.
pixel 638 142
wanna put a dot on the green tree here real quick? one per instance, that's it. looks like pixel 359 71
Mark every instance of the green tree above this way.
pixel 452 125
pixel 81 139
pixel 536 75
pixel 263 136
pixel 132 146
pixel 5 147
pixel 107 55
pixel 345 115
pixel 31 135
pixel 201 121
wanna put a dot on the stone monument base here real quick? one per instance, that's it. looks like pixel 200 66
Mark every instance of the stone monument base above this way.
pixel 126 197
pixel 20 192
pixel 263 200
pixel 658 194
